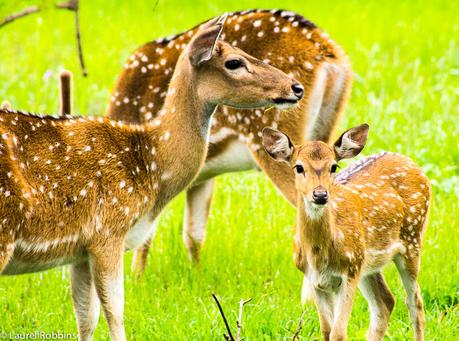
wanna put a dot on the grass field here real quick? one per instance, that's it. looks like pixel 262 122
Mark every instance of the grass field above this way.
pixel 406 59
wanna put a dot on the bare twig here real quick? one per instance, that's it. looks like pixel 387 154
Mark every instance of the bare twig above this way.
pixel 65 88
pixel 23 13
pixel 73 5
pixel 242 303
pixel 78 38
pixel 300 326
pixel 230 335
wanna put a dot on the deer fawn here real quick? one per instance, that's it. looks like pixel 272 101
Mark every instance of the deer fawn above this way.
pixel 81 191
pixel 283 39
pixel 349 226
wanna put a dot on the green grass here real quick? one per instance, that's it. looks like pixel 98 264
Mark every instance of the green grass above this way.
pixel 406 59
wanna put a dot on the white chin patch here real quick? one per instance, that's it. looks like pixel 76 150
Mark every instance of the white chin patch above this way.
pixel 285 106
pixel 313 211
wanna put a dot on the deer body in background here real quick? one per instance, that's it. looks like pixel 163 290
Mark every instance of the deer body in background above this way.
pixel 81 191
pixel 350 226
pixel 283 39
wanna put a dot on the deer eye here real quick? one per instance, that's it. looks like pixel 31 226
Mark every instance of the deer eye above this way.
pixel 334 168
pixel 233 64
pixel 299 169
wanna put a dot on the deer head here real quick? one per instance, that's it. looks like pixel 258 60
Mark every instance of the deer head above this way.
pixel 315 162
pixel 229 76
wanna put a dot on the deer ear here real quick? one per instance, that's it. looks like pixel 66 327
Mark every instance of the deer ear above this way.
pixel 277 145
pixel 203 43
pixel 351 142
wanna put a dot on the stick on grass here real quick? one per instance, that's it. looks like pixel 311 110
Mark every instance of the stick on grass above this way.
pixel 230 335
pixel 242 303
pixel 65 88
pixel 300 326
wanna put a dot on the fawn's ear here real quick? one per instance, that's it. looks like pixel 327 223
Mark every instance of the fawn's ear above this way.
pixel 277 145
pixel 203 43
pixel 351 142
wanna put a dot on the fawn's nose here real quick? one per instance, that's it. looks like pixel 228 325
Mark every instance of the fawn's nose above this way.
pixel 298 90
pixel 320 196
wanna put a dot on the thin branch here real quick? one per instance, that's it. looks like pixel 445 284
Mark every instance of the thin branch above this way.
pixel 73 5
pixel 78 38
pixel 239 321
pixel 300 326
pixel 230 335
pixel 23 13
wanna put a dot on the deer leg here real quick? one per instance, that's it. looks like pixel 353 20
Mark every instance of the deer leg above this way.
pixel 380 302
pixel 85 301
pixel 328 99
pixel 198 200
pixel 6 252
pixel 324 302
pixel 408 267
pixel 343 309
pixel 139 260
pixel 107 272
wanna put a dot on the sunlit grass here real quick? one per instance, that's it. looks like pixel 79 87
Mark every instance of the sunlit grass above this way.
pixel 406 59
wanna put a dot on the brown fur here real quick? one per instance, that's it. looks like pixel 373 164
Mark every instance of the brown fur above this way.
pixel 82 190
pixel 289 42
pixel 376 212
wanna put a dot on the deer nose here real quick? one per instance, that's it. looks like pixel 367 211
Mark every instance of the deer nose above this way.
pixel 320 196
pixel 298 90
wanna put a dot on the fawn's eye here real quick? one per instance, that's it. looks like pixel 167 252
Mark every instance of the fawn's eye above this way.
pixel 233 64
pixel 299 169
pixel 334 168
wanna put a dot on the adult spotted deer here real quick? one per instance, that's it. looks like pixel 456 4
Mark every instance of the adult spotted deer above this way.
pixel 283 39
pixel 349 226
pixel 81 191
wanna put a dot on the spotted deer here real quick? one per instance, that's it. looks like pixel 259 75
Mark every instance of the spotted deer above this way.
pixel 280 38
pixel 81 191
pixel 350 225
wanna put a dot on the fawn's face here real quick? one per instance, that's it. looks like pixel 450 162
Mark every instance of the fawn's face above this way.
pixel 314 166
pixel 229 76
pixel 314 163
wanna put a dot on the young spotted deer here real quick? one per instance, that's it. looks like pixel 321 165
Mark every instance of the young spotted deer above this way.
pixel 81 191
pixel 280 38
pixel 349 226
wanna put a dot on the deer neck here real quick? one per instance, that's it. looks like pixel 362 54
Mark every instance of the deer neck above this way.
pixel 180 134
pixel 315 225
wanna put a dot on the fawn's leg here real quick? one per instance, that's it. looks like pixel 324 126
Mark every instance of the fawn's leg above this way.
pixel 381 303
pixel 307 295
pixel 139 260
pixel 107 272
pixel 85 301
pixel 324 301
pixel 343 309
pixel 408 268
pixel 198 200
